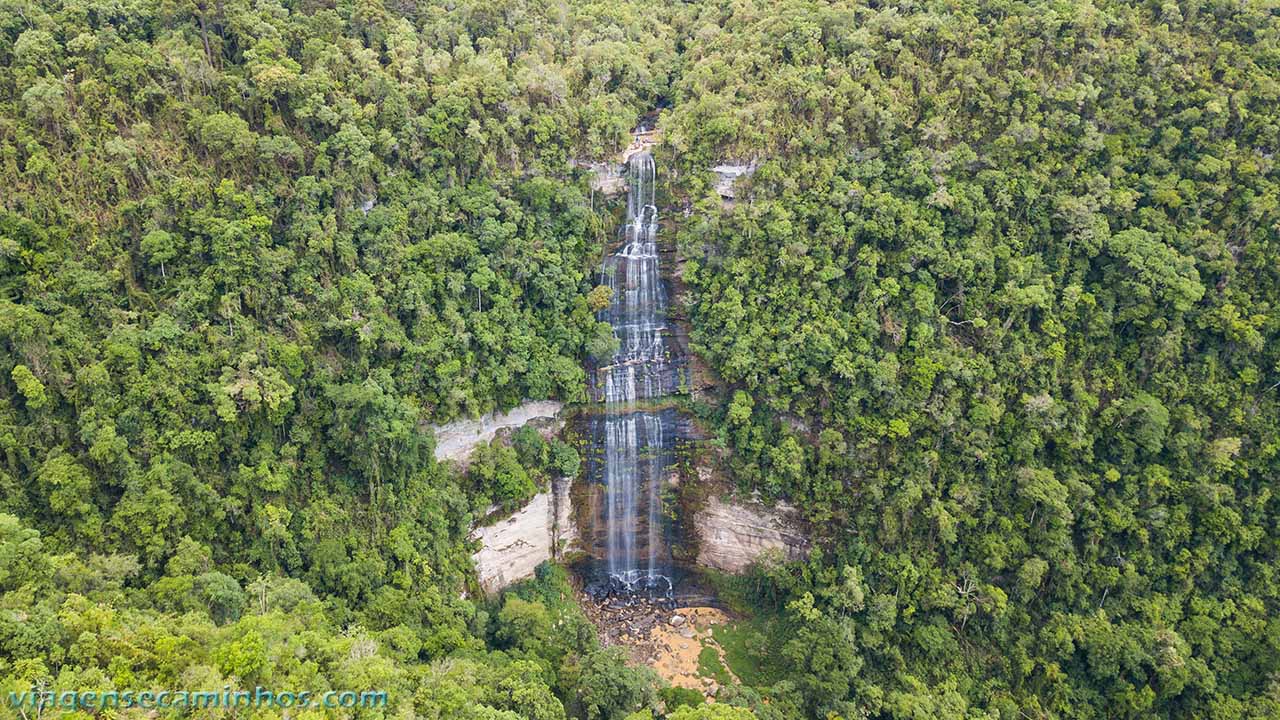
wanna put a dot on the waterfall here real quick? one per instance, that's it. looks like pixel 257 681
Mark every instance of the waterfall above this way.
pixel 635 457
pixel 637 312
pixel 637 442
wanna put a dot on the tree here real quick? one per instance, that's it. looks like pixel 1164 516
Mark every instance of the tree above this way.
pixel 716 711
pixel 30 387
pixel 498 474
pixel 599 298
pixel 521 689
pixel 160 247
pixel 45 103
pixel 610 689
pixel 22 558
pixel 523 625
pixel 69 489
pixel 822 652
pixel 222 595
pixel 603 343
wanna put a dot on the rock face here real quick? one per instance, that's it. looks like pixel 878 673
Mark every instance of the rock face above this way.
pixel 610 178
pixel 564 532
pixel 512 548
pixel 455 440
pixel 606 178
pixel 732 535
pixel 727 176
pixel 643 140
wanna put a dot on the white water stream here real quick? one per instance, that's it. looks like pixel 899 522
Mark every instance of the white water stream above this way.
pixel 637 443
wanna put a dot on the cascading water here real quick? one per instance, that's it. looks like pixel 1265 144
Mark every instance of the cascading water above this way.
pixel 635 458
pixel 640 368
pixel 637 442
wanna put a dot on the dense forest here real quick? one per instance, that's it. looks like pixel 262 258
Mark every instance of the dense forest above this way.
pixel 997 309
pixel 1002 305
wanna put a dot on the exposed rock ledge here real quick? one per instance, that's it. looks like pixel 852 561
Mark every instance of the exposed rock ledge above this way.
pixel 609 178
pixel 512 548
pixel 606 178
pixel 732 535
pixel 727 176
pixel 455 440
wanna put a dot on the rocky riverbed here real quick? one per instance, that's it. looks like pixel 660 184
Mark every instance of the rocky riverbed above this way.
pixel 669 640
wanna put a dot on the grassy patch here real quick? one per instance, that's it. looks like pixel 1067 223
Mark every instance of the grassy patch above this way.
pixel 751 648
pixel 709 665
pixel 753 644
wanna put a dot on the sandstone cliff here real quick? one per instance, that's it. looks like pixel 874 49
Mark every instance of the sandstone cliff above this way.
pixel 732 534
pixel 513 547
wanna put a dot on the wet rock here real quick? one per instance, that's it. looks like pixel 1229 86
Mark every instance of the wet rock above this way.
pixel 596 590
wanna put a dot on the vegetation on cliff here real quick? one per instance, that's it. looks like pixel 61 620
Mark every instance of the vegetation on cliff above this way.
pixel 249 251
pixel 999 311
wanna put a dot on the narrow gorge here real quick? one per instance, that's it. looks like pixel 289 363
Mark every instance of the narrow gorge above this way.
pixel 649 507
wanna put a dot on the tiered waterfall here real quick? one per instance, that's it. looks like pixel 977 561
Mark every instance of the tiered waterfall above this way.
pixel 637 439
